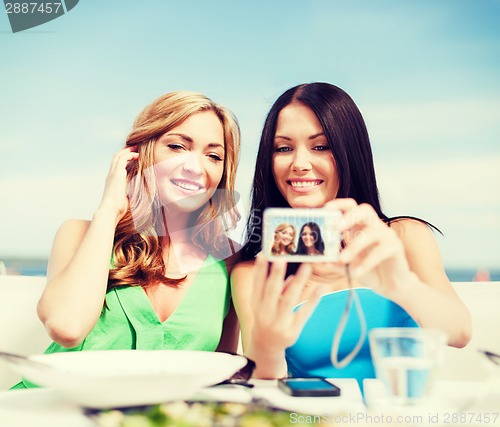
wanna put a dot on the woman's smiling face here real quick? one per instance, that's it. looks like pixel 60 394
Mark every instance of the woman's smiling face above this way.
pixel 303 164
pixel 189 162
pixel 308 237
pixel 286 236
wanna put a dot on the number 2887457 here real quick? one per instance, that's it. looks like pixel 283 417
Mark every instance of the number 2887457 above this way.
pixel 31 8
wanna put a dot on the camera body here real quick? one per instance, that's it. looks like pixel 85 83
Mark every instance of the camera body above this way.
pixel 301 235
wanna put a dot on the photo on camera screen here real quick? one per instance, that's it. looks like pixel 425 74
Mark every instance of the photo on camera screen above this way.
pixel 301 235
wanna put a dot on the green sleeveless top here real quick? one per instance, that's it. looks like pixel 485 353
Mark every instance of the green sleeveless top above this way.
pixel 128 320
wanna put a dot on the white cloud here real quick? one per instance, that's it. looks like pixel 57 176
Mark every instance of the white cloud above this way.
pixel 12 145
pixel 473 122
pixel 460 196
pixel 451 182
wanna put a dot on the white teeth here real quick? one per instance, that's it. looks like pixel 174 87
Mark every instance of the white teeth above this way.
pixel 187 186
pixel 304 184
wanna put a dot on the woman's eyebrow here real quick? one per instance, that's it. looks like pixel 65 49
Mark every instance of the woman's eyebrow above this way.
pixel 182 135
pixel 316 135
pixel 215 145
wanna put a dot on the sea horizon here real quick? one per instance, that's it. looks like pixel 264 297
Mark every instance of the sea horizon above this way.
pixel 33 266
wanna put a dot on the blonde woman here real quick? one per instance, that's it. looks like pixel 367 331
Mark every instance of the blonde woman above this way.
pixel 284 238
pixel 150 270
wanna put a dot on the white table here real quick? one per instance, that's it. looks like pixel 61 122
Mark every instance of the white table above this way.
pixel 48 408
pixel 451 403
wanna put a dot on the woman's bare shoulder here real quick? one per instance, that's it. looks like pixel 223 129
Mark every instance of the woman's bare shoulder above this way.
pixel 66 242
pixel 409 228
pixel 422 251
pixel 75 224
pixel 417 237
pixel 72 230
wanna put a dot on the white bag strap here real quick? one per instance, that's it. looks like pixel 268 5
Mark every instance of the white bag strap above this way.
pixel 352 297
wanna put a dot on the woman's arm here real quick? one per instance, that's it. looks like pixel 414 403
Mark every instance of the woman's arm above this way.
pixel 79 263
pixel 430 297
pixel 402 262
pixel 264 304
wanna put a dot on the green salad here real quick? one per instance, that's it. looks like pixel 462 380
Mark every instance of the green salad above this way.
pixel 195 414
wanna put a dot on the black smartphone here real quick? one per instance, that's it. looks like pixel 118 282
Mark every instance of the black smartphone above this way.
pixel 308 387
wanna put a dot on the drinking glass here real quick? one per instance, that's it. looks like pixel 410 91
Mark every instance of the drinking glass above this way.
pixel 405 360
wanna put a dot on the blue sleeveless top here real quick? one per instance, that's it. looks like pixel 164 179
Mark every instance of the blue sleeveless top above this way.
pixel 310 355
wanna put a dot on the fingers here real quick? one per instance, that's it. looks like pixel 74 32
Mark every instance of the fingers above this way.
pixel 373 250
pixel 278 294
pixel 362 241
pixel 268 285
pixel 273 294
pixel 117 170
pixel 275 281
pixel 127 154
pixel 365 231
pixel 354 215
pixel 360 216
pixel 275 299
pixel 294 287
pixel 343 205
pixel 123 156
pixel 260 277
pixel 370 261
pixel 334 267
pixel 115 190
pixel 305 311
pixel 385 247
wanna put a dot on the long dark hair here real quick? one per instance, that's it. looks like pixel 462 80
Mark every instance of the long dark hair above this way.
pixel 348 139
pixel 319 243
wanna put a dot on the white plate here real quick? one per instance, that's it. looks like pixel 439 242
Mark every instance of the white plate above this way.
pixel 105 379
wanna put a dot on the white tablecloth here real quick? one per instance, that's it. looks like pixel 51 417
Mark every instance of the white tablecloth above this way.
pixel 453 403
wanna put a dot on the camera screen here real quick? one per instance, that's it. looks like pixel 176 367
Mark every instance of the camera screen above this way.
pixel 301 235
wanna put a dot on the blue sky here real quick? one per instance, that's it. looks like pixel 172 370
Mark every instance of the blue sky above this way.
pixel 425 74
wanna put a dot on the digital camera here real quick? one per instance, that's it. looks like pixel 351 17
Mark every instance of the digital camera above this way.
pixel 301 235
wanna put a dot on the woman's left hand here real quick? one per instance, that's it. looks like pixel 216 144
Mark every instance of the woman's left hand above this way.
pixel 373 250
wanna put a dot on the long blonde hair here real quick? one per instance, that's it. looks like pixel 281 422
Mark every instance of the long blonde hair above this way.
pixel 138 249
